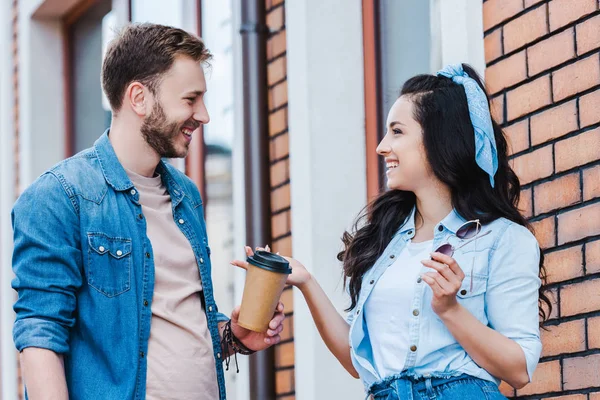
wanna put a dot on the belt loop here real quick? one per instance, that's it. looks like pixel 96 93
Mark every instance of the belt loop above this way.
pixel 429 388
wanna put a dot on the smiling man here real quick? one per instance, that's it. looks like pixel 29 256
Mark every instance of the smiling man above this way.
pixel 111 256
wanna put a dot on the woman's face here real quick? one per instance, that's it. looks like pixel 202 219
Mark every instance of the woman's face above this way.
pixel 402 146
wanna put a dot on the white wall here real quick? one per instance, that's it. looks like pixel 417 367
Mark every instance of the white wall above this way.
pixel 327 168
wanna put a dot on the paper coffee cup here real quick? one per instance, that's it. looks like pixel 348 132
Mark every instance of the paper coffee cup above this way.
pixel 265 280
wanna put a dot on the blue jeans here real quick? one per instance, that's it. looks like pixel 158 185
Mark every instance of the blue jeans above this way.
pixel 463 387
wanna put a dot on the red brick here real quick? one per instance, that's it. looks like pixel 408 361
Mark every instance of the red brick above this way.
pixel 595 396
pixel 577 150
pixel 559 193
pixel 576 78
pixel 506 389
pixel 493 45
pixel 277 70
pixel 280 147
pixel 554 123
pixel 529 3
pixel 278 95
pixel 551 52
pixel 570 397
pixel 284 381
pixel 280 198
pixel 283 246
pixel 284 355
pixel 288 327
pixel 497 109
pixel 580 298
pixel 564 264
pixel 280 224
pixel 588 109
pixel 563 12
pixel 276 19
pixel 526 203
pixel 280 172
pixel 506 73
pixel 278 121
pixel 535 165
pixel 544 232
pixel 518 136
pixel 546 378
pixel 529 97
pixel 276 45
pixel 525 29
pixel 588 35
pixel 578 224
pixel 592 257
pixel 593 333
pixel 568 337
pixel 591 183
pixel 581 372
pixel 496 11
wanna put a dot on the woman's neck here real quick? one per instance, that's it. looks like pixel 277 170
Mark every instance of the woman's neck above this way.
pixel 433 205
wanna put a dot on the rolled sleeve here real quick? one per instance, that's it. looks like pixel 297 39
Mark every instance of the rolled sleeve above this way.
pixel 512 294
pixel 46 264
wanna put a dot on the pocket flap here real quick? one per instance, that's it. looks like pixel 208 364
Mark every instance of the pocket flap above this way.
pixel 116 247
pixel 467 290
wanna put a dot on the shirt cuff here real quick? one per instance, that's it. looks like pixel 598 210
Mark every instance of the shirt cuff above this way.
pixel 41 333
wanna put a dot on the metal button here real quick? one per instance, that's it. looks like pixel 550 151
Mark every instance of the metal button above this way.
pixel 358 311
pixel 440 228
pixel 372 281
pixel 181 221
pixel 463 292
pixel 413 348
pixel 219 355
pixel 141 216
pixel 392 256
pixel 145 303
pixel 119 253
pixel 133 192
pixel 101 248
pixel 147 255
pixel 209 308
pixel 419 280
pixel 201 260
pixel 410 232
pixel 416 313
pixel 141 354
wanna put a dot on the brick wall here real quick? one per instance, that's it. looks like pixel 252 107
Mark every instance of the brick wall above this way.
pixel 543 70
pixel 280 183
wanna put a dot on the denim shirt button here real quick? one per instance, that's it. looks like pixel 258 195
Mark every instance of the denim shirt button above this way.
pixel 201 260
pixel 413 348
pixel 372 281
pixel 416 313
pixel 358 311
pixel 419 280
pixel 141 216
pixel 210 308
pixel 181 221
pixel 219 355
pixel 392 256
pixel 440 228
pixel 141 354
pixel 463 292
pixel 119 253
pixel 145 303
pixel 147 255
pixel 101 248
pixel 133 192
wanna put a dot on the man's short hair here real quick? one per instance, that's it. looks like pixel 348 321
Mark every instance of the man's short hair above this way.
pixel 143 53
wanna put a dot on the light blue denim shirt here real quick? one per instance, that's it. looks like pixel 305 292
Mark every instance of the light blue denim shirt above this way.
pixel 504 267
pixel 84 271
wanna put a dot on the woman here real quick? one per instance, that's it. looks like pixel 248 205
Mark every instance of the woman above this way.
pixel 442 272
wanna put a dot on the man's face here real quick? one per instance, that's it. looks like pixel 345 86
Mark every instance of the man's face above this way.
pixel 178 109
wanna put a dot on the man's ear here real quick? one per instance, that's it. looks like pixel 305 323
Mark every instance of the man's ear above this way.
pixel 136 95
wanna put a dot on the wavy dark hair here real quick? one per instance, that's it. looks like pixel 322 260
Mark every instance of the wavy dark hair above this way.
pixel 440 107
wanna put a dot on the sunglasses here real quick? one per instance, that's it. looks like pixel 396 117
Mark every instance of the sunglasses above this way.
pixel 469 231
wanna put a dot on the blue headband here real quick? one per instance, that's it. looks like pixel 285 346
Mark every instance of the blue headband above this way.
pixel 486 155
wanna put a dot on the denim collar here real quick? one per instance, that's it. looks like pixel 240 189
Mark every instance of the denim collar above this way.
pixel 451 222
pixel 115 174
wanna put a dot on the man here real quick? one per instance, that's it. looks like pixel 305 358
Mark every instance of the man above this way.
pixel 111 256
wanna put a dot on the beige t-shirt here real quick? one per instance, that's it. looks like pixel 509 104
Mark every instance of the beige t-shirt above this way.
pixel 181 363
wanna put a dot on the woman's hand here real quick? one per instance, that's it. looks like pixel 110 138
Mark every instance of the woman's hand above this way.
pixel 445 282
pixel 299 276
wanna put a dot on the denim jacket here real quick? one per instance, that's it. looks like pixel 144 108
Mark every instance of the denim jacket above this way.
pixel 504 269
pixel 84 271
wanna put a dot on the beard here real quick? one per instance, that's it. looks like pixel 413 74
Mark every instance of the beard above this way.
pixel 160 133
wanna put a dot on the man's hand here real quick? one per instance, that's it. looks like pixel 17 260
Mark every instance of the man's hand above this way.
pixel 258 341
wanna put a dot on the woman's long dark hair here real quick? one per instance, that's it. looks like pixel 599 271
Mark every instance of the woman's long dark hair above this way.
pixel 440 107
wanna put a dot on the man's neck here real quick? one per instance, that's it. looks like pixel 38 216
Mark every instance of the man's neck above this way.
pixel 131 149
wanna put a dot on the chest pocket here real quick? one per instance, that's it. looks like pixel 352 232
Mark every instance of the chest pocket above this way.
pixel 109 264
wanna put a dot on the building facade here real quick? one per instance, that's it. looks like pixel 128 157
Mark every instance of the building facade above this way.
pixel 333 70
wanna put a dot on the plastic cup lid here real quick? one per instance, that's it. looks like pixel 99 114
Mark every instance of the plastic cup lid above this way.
pixel 270 261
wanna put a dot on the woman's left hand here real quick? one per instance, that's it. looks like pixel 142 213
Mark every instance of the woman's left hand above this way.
pixel 445 282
